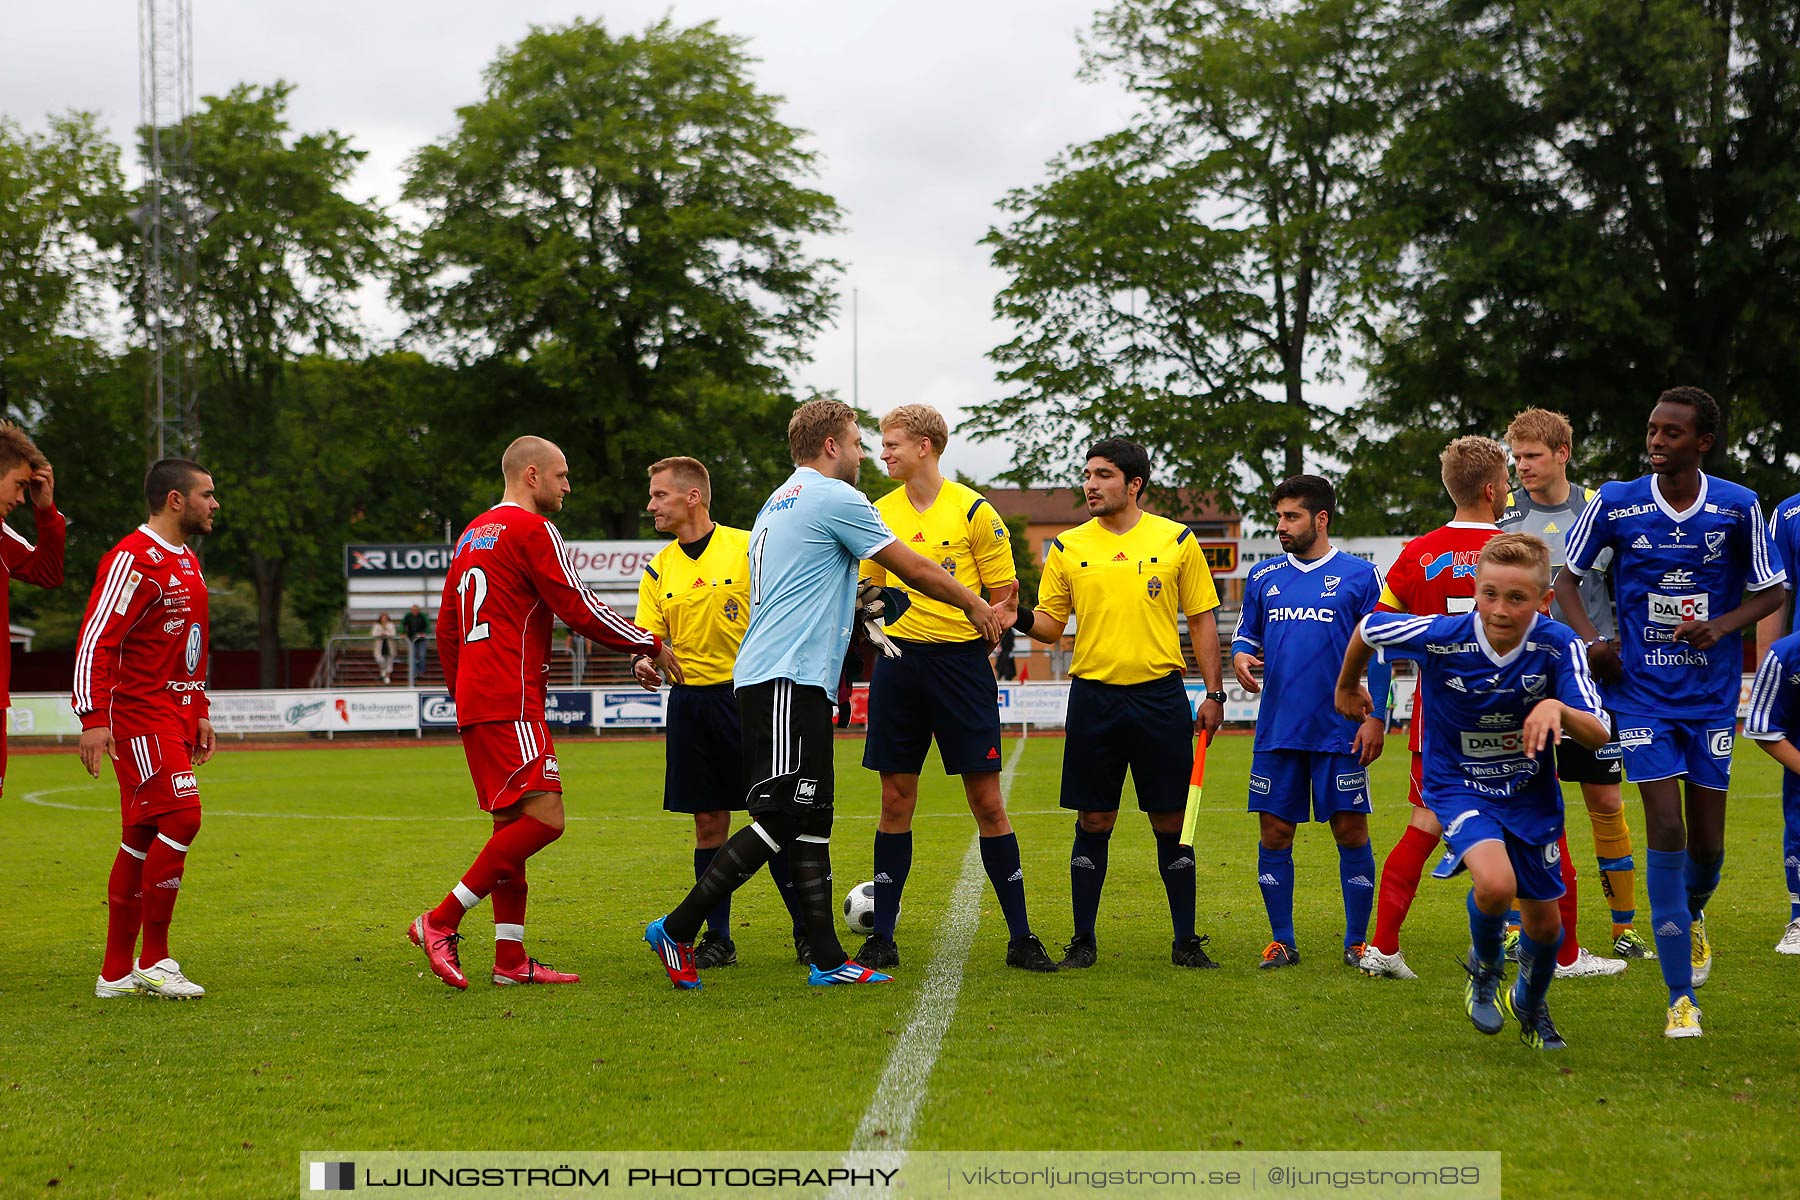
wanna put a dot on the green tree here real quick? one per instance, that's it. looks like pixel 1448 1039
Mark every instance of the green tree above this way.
pixel 1595 202
pixel 278 268
pixel 1186 278
pixel 621 221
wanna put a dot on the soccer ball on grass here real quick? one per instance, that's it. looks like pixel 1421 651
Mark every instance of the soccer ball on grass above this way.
pixel 859 909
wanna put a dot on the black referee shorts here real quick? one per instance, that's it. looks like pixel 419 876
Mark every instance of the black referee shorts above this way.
pixel 788 751
pixel 1147 727
pixel 944 690
pixel 704 751
pixel 1575 763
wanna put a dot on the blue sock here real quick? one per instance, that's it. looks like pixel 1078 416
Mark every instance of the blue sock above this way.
pixel 893 860
pixel 1485 933
pixel 1087 875
pixel 1672 924
pixel 1000 855
pixel 1275 876
pixel 1790 838
pixel 1537 967
pixel 1356 876
pixel 1701 875
pixel 718 921
pixel 1175 863
pixel 790 895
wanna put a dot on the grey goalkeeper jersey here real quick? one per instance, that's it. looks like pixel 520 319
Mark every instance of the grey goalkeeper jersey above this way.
pixel 1525 515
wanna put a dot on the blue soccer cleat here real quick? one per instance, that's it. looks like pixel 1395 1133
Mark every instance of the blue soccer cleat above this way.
pixel 850 972
pixel 677 957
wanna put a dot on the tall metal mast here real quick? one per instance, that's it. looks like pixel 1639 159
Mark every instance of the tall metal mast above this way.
pixel 171 217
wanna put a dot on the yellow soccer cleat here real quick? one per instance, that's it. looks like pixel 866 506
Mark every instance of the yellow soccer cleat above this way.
pixel 1684 1019
pixel 1702 954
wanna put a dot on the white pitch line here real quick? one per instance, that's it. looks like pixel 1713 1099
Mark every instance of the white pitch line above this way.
pixel 886 1127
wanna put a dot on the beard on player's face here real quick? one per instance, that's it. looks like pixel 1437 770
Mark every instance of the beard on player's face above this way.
pixel 1298 541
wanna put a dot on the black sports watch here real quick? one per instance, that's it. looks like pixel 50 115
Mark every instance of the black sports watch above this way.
pixel 1218 696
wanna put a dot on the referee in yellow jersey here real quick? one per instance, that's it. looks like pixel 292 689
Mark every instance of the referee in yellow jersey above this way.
pixel 695 595
pixel 1126 576
pixel 942 685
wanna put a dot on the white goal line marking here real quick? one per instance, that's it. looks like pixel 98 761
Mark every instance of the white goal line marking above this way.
pixel 886 1127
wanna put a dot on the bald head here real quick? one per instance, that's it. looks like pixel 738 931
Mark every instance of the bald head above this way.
pixel 536 473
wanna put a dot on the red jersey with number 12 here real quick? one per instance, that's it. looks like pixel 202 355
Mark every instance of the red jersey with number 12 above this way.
pixel 1435 577
pixel 510 575
pixel 140 662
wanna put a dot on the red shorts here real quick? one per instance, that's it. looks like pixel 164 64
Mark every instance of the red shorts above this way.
pixel 2 753
pixel 156 775
pixel 508 759
pixel 1415 794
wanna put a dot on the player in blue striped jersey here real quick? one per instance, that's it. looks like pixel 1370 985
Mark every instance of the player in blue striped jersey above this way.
pixel 1298 614
pixel 1693 566
pixel 1503 685
pixel 1774 694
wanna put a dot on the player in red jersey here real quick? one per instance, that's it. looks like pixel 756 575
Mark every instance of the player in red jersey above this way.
pixel 24 471
pixel 140 690
pixel 508 575
pixel 1434 576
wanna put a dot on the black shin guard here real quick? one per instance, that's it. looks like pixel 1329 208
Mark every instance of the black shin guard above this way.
pixel 737 860
pixel 810 861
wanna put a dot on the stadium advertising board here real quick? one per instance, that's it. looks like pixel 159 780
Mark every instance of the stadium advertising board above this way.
pixel 635 708
pixel 373 710
pixel 596 563
pixel 571 710
pixel 437 710
pixel 42 716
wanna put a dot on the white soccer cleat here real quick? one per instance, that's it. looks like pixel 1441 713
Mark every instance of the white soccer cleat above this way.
pixel 166 980
pixel 1790 941
pixel 1588 964
pixel 1385 966
pixel 112 989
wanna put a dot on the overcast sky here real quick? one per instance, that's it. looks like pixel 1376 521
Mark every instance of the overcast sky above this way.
pixel 924 114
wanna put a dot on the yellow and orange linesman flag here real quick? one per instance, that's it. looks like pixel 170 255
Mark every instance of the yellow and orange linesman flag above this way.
pixel 1196 784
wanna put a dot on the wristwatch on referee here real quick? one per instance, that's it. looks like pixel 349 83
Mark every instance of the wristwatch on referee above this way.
pixel 1219 697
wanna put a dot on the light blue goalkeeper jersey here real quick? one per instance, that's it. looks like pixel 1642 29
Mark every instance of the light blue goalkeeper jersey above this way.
pixel 810 536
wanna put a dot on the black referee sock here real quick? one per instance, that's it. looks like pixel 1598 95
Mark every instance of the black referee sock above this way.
pixel 810 862
pixel 734 863
pixel 1000 856
pixel 1087 875
pixel 1176 866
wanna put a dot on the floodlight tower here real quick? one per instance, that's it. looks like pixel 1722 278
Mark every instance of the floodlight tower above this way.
pixel 171 218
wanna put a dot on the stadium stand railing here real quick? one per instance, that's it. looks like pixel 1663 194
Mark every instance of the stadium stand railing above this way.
pixel 349 662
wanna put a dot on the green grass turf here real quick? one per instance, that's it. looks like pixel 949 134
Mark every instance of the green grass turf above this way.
pixel 322 1028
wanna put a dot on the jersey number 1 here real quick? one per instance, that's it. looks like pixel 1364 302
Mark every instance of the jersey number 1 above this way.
pixel 474 581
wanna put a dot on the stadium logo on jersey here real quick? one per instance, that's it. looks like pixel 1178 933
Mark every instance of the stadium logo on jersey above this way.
pixel 1634 738
pixel 1453 647
pixel 1533 684
pixel 806 791
pixel 1630 510
pixel 184 784
pixel 731 609
pixel 1673 610
pixel 1715 546
pixel 1492 743
pixel 1259 784
pixel 1640 542
pixel 1456 824
pixel 191 656
pixel 1154 587
pixel 1718 742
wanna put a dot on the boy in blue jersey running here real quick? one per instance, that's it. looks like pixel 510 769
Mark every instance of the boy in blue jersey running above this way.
pixel 1784 528
pixel 1503 684
pixel 1774 724
pixel 804 551
pixel 1693 566
pixel 1298 614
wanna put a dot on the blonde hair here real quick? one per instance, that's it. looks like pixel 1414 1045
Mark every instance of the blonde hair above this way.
pixel 1552 429
pixel 921 421
pixel 686 473
pixel 815 421
pixel 1517 550
pixel 17 448
pixel 1470 464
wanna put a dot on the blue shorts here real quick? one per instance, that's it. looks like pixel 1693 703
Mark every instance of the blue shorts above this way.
pixel 944 690
pixel 1148 727
pixel 1658 748
pixel 1538 869
pixel 703 766
pixel 1281 782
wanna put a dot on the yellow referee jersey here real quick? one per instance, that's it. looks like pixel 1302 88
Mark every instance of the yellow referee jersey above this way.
pixel 1126 592
pixel 962 533
pixel 700 606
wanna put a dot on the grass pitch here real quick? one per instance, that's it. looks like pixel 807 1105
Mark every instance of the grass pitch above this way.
pixel 323 1029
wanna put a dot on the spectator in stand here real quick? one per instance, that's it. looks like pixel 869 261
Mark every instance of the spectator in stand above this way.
pixel 415 625
pixel 383 633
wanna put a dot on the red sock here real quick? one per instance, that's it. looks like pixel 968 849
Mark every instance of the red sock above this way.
pixel 1399 884
pixel 125 901
pixel 1571 945
pixel 509 921
pixel 503 857
pixel 164 862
